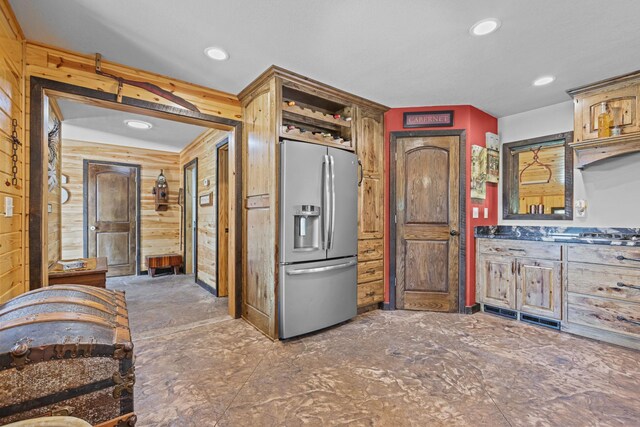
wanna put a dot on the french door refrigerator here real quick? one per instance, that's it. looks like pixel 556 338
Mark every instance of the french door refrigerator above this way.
pixel 318 237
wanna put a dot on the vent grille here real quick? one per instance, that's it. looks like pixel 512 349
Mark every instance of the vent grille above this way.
pixel 509 314
pixel 541 321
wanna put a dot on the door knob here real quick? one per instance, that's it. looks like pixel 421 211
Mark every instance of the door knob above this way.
pixel 454 233
pixel 92 228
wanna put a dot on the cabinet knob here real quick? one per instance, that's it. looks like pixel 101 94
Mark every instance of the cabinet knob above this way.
pixel 454 233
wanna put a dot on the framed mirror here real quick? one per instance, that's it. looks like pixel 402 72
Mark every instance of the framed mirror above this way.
pixel 538 178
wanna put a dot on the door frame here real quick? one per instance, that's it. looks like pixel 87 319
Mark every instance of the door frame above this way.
pixel 393 147
pixel 219 145
pixel 39 88
pixel 85 205
pixel 194 256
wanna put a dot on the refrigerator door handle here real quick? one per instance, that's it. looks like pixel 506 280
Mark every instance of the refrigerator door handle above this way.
pixel 321 269
pixel 333 202
pixel 325 203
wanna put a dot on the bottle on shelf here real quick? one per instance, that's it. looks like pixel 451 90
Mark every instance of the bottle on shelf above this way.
pixel 604 122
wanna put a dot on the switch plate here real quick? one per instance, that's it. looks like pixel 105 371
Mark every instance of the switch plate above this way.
pixel 476 212
pixel 486 212
pixel 8 206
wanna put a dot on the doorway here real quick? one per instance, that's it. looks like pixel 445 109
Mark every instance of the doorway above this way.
pixel 40 89
pixel 427 238
pixel 191 218
pixel 112 215
pixel 222 218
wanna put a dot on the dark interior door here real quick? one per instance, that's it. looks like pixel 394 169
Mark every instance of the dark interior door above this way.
pixel 112 216
pixel 427 230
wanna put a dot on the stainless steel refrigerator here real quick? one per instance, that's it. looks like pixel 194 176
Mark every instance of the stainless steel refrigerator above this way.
pixel 318 237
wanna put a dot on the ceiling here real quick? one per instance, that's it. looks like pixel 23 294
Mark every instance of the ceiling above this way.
pixel 399 53
pixel 85 122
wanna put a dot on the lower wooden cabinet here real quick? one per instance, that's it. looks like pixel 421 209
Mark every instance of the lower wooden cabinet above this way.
pixel 601 299
pixel 496 281
pixel 603 293
pixel 370 293
pixel 370 272
pixel 539 287
pixel 528 285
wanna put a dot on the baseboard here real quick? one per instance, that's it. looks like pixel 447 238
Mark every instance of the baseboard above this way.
pixel 387 306
pixel 207 287
pixel 472 309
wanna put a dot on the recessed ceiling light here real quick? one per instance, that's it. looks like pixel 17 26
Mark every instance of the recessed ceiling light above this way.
pixel 484 27
pixel 138 124
pixel 216 53
pixel 544 80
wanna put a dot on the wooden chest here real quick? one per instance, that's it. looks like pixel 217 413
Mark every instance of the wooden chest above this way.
pixel 164 261
pixel 67 350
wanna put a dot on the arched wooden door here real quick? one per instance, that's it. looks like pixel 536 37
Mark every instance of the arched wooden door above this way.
pixel 427 228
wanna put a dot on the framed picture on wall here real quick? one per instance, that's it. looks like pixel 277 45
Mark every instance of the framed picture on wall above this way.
pixel 478 172
pixel 493 166
pixel 206 199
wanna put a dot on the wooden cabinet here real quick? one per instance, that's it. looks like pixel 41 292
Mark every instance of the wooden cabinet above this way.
pixel 370 150
pixel 282 105
pixel 603 293
pixel 593 289
pixel 539 287
pixel 369 136
pixel 519 275
pixel 622 96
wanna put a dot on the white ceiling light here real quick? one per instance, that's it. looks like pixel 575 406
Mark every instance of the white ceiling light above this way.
pixel 484 27
pixel 216 53
pixel 544 80
pixel 138 124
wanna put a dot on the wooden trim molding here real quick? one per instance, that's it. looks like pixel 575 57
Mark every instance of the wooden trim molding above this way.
pixel 39 87
pixel 393 146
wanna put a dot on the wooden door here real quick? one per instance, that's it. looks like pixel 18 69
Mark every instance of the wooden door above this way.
pixel 496 281
pixel 539 287
pixel 112 210
pixel 427 229
pixel 222 284
pixel 190 217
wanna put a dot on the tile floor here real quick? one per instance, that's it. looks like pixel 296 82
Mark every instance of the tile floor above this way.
pixel 198 367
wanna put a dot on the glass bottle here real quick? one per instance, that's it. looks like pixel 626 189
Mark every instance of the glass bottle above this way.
pixel 604 122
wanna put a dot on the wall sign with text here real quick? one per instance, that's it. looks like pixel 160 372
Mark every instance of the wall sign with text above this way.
pixel 427 119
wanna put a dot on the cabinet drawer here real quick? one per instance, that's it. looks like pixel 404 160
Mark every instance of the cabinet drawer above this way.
pixel 540 250
pixel 370 270
pixel 370 249
pixel 608 255
pixel 370 293
pixel 604 281
pixel 604 313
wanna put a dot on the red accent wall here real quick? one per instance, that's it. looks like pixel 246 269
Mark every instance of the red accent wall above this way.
pixel 476 123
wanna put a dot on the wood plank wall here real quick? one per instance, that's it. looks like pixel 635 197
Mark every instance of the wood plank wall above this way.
pixel 54 232
pixel 204 148
pixel 159 230
pixel 12 106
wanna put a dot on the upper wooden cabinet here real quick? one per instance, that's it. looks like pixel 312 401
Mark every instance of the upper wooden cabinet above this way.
pixel 622 98
pixel 370 150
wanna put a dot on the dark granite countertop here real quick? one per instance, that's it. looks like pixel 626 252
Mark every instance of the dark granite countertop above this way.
pixel 585 235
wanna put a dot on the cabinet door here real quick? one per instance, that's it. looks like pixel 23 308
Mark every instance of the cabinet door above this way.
pixel 539 286
pixel 622 105
pixel 496 281
pixel 370 150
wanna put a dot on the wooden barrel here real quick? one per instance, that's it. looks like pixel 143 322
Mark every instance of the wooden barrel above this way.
pixel 66 350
